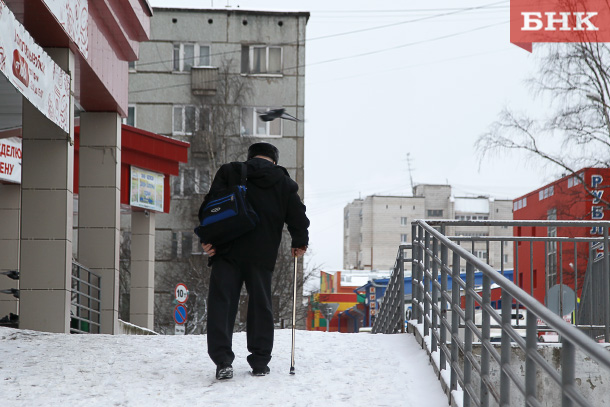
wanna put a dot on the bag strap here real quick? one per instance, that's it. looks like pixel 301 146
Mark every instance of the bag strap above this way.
pixel 244 174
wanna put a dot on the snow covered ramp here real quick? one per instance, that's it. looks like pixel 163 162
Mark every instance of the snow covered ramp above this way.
pixel 42 369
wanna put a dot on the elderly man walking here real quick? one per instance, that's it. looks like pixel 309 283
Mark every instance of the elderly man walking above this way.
pixel 250 258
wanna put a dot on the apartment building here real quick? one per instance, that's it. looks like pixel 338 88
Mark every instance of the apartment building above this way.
pixel 204 77
pixel 375 226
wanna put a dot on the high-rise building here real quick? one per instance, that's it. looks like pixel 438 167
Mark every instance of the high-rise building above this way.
pixel 375 226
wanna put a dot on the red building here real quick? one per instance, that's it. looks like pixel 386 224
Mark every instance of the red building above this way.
pixel 578 196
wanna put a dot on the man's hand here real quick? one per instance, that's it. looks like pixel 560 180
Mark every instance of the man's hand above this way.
pixel 298 251
pixel 208 249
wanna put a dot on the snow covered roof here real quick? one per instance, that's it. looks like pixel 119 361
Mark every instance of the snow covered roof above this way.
pixel 472 205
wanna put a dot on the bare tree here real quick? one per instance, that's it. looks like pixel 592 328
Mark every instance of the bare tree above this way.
pixel 576 77
pixel 220 132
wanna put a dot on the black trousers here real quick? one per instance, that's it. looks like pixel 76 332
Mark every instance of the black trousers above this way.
pixel 226 281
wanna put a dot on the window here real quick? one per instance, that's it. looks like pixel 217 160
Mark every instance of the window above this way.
pixel 403 221
pixel 190 181
pixel 261 60
pixel 403 238
pixel 186 119
pixel 187 55
pixel 472 234
pixel 521 203
pixel 182 244
pixel 131 65
pixel 573 181
pixel 435 212
pixel 481 254
pixel 253 126
pixel 130 120
pixel 545 193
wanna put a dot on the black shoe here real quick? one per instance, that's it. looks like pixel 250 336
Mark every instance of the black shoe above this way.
pixel 261 371
pixel 224 372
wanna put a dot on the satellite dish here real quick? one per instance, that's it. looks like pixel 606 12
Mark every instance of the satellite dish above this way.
pixel 561 299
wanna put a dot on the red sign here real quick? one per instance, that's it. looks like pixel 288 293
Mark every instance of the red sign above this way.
pixel 180 314
pixel 558 21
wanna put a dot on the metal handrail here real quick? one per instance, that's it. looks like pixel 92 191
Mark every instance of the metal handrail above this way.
pixel 427 243
pixel 391 316
pixel 454 336
pixel 86 300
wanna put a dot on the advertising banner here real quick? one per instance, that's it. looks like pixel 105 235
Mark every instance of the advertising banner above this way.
pixel 146 189
pixel 73 15
pixel 32 71
pixel 10 159
pixel 558 21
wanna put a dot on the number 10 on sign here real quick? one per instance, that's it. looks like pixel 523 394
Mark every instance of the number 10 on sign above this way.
pixel 181 293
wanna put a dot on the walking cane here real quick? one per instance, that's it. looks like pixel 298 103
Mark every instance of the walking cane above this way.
pixel 294 314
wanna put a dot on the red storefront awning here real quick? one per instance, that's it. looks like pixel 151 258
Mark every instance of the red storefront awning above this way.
pixel 145 150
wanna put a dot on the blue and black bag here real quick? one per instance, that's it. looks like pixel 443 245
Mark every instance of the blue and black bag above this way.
pixel 228 215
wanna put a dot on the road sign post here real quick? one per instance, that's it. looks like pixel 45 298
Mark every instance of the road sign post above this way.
pixel 181 293
pixel 180 313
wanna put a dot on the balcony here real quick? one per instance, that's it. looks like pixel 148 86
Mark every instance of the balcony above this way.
pixel 204 80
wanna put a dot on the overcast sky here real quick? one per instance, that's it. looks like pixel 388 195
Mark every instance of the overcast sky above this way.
pixel 429 88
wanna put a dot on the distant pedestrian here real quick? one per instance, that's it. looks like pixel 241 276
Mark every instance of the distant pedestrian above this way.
pixel 250 258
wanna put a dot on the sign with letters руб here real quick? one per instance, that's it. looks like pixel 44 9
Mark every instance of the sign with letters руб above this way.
pixel 146 189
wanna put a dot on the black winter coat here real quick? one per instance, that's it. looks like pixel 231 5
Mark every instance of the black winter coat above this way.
pixel 273 195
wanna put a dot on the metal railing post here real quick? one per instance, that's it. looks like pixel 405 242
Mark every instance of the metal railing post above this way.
pixel 469 314
pixel 443 328
pixel 435 293
pixel 455 320
pixel 568 356
pixel 505 350
pixel 530 365
pixel 401 288
pixel 485 332
pixel 426 288
pixel 416 274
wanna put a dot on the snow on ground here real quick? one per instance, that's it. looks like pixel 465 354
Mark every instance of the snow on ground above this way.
pixel 332 369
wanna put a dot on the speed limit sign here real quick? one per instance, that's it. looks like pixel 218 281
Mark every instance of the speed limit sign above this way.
pixel 181 293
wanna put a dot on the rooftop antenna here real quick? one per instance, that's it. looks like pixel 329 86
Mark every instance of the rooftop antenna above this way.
pixel 409 169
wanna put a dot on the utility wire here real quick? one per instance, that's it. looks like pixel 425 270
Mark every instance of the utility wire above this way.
pixel 461 10
pixel 407 44
pixel 356 55
pixel 404 22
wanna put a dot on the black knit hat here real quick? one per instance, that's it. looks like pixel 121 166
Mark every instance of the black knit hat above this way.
pixel 266 149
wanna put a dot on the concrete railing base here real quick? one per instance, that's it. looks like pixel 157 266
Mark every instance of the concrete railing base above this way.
pixel 126 328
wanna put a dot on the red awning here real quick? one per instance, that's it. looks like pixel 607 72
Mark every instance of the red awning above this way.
pixel 145 150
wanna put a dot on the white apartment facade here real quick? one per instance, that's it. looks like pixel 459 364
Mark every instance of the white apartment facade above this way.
pixel 375 226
